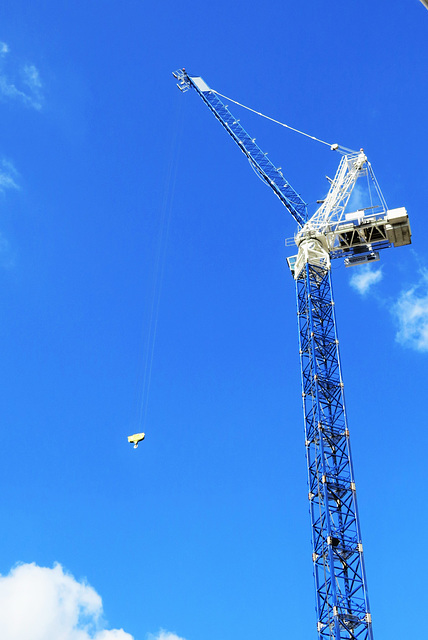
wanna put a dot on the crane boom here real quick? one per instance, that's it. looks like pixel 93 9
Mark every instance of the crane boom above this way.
pixel 259 160
pixel 342 603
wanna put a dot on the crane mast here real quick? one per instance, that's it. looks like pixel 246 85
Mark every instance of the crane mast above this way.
pixel 342 603
pixel 337 552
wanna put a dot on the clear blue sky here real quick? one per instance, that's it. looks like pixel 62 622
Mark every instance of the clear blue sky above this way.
pixel 204 530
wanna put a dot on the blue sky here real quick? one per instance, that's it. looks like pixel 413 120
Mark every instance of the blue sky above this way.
pixel 202 532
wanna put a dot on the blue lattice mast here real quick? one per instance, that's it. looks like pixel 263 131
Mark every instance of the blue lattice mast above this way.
pixel 340 582
pixel 341 590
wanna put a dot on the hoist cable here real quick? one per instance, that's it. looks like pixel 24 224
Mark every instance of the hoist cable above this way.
pixel 159 270
pixel 333 147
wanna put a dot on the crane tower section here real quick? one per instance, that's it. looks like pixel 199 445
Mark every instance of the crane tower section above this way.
pixel 342 603
pixel 337 552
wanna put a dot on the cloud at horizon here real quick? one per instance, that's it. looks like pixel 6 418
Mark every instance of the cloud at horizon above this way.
pixel 41 603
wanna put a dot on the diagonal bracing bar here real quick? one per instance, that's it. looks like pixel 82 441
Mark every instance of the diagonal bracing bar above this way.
pixel 341 593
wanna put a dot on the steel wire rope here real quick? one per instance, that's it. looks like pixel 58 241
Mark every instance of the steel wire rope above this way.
pixel 159 268
pixel 333 147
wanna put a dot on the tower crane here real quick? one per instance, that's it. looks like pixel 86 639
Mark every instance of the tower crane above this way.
pixel 342 604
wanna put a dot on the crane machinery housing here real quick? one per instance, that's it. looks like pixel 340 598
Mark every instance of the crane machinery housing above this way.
pixel 342 604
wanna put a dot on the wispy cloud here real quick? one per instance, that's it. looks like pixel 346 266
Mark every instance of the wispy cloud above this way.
pixel 364 278
pixel 411 313
pixel 8 175
pixel 8 180
pixel 39 602
pixel 7 259
pixel 31 77
pixel 409 310
pixel 20 82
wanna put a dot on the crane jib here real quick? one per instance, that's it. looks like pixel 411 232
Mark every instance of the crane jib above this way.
pixel 259 160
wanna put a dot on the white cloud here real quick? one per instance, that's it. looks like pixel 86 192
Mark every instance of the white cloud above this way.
pixel 9 90
pixel 411 313
pixel 39 603
pixel 8 175
pixel 164 635
pixel 30 93
pixel 364 278
pixel 31 76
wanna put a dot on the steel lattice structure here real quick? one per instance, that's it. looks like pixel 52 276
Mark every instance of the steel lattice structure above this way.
pixel 340 582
